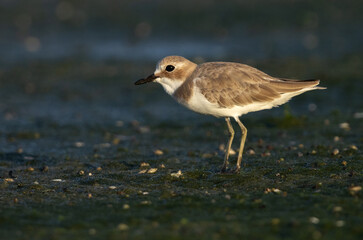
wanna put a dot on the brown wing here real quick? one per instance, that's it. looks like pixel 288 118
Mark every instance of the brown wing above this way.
pixel 231 84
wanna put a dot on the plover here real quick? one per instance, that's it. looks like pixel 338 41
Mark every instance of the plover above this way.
pixel 225 89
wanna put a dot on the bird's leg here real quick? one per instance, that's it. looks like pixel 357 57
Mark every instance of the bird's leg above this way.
pixel 229 144
pixel 243 140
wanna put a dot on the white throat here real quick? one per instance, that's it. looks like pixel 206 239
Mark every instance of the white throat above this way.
pixel 169 85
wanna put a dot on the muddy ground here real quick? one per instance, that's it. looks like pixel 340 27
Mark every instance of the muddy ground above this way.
pixel 76 141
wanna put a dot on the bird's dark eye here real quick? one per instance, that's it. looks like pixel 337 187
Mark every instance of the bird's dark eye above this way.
pixel 169 68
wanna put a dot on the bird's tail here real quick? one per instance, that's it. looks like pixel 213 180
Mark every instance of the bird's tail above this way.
pixel 293 85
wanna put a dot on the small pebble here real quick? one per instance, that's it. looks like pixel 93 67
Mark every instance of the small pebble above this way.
pixel 112 187
pixel 266 154
pixel 177 174
pixel 355 188
pixel 314 220
pixel 207 155
pixel 313 152
pixel 336 139
pixel 99 169
pixel 276 190
pixel 335 152
pixel 89 174
pixel 358 115
pixel 143 171
pixel 161 166
pixel 344 126
pixel 337 209
pixel 222 147
pixel 251 152
pixel 272 190
pixel 158 152
pixel 122 227
pixel 36 183
pixel 152 170
pixel 144 164
pixel 57 180
pixel 125 206
pixel 9 180
pixel 353 147
pixel 344 163
pixel 228 197
pixel 232 152
pixel 80 172
pixel 89 195
pixel 30 169
pixel 339 223
pixel 79 144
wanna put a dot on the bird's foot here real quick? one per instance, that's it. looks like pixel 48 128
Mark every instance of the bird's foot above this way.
pixel 236 170
pixel 224 170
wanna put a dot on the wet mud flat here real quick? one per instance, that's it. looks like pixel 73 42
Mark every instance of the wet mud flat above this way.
pixel 86 154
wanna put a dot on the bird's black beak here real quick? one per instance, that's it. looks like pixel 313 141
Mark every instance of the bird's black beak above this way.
pixel 150 78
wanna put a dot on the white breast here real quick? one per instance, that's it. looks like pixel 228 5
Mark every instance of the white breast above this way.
pixel 169 85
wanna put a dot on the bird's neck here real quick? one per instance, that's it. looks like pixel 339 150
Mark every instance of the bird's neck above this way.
pixel 170 85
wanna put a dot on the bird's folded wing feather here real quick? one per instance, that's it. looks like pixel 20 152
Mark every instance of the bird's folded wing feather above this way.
pixel 241 85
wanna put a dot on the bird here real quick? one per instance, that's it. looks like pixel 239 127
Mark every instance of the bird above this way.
pixel 225 89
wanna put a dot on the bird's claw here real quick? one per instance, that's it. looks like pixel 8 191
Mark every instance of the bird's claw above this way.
pixel 224 170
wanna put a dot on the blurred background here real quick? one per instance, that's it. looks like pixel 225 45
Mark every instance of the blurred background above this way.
pixel 149 30
pixel 55 50
pixel 47 45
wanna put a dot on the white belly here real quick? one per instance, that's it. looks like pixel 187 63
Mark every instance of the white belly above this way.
pixel 200 104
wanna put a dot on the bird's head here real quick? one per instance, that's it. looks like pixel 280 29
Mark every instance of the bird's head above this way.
pixel 170 72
